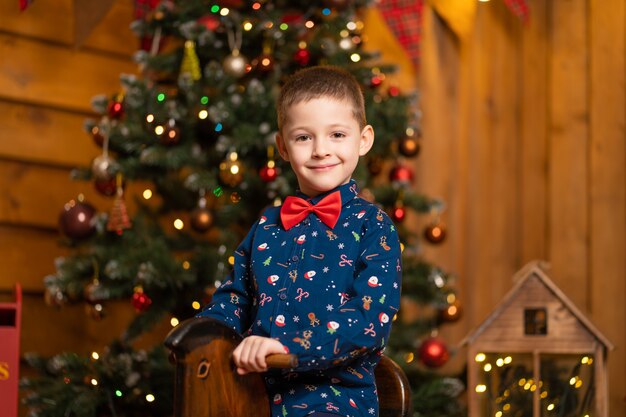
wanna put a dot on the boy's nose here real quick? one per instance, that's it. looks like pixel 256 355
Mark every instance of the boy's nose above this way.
pixel 320 148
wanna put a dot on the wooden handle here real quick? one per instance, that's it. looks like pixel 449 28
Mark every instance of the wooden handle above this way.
pixel 282 361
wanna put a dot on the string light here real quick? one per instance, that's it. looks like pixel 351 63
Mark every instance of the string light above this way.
pixel 118 393
pixel 204 100
pixel 159 130
pixel 247 26
pixel 480 357
pixel 94 382
pixel 174 321
pixel 186 265
pixel 550 407
pixel 481 388
pixel 487 367
pixel 409 357
pixel 147 194
pixel 195 305
pixel 95 356
pixel 224 12
pixel 179 224
pixel 150 398
pixel 355 57
pixel 161 97
pixel 150 118
pixel 231 260
pixel 309 24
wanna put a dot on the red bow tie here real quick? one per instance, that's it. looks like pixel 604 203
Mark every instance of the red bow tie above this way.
pixel 295 209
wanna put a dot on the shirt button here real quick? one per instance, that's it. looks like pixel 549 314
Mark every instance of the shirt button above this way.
pixel 282 296
pixel 294 258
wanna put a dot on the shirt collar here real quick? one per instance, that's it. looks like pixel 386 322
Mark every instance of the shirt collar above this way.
pixel 348 191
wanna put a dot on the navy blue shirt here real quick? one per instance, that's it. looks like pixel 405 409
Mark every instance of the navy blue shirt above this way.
pixel 328 295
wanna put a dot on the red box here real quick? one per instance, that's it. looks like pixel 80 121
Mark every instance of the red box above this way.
pixel 10 324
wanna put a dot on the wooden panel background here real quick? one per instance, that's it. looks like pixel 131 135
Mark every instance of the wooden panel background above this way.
pixel 523 138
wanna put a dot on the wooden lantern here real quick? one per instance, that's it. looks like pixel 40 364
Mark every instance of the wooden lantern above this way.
pixel 536 354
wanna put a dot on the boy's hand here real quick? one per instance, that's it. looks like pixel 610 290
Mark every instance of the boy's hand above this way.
pixel 250 355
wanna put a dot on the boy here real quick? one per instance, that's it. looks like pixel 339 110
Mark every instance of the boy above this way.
pixel 320 276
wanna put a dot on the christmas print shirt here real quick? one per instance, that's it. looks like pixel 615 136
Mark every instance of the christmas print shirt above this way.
pixel 328 295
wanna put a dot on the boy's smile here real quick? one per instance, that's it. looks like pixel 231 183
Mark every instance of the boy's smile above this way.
pixel 322 141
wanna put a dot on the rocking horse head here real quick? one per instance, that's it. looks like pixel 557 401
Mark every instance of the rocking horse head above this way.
pixel 207 384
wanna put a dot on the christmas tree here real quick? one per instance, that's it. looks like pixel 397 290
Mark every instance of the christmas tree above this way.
pixel 197 127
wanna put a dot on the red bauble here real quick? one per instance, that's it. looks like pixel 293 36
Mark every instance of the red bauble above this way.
pixel 77 220
pixel 210 22
pixel 268 174
pixel 375 81
pixel 106 187
pixel 398 214
pixel 435 233
pixel 393 91
pixel 433 352
pixel 140 300
pixel 401 174
pixel 116 109
pixel 302 57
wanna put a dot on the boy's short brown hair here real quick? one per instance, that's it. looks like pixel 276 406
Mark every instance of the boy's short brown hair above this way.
pixel 321 81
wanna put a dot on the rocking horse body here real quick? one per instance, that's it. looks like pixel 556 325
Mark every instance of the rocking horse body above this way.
pixel 207 385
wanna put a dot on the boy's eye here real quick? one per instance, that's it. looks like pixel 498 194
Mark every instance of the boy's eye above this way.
pixel 338 135
pixel 301 138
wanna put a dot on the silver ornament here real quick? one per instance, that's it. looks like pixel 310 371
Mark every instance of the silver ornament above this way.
pixel 235 64
pixel 102 167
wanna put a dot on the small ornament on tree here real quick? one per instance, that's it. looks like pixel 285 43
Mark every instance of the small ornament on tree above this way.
pixel 302 56
pixel 140 299
pixel 231 170
pixel 399 212
pixel 54 297
pixel 401 174
pixel 103 167
pixel 235 64
pixel 190 65
pixel 106 187
pixel 433 352
pixel 269 172
pixel 264 62
pixel 409 146
pixel 171 133
pixel 77 219
pixel 95 311
pixel 435 232
pixel 118 218
pixel 115 109
pixel 201 216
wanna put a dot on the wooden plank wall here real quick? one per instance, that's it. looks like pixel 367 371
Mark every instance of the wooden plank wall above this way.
pixel 46 85
pixel 524 137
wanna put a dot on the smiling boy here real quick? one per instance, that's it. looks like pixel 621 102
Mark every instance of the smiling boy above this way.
pixel 320 276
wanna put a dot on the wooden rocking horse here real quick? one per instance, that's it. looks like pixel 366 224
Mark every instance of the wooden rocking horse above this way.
pixel 207 384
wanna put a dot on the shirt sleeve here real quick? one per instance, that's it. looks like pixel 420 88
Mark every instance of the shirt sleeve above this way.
pixel 231 302
pixel 360 325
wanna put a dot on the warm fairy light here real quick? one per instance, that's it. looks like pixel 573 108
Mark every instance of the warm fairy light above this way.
pixel 94 382
pixel 360 25
pixel 150 118
pixel 544 394
pixel 186 265
pixel 480 357
pixel 409 131
pixel 309 24
pixel 247 26
pixel 234 169
pixel 179 224
pixel 586 360
pixel 195 305
pixel 256 6
pixel 95 356
pixel 233 156
pixel 487 367
pixel 302 45
pixel 266 62
pixel 344 33
pixel 174 321
pixel 409 357
pixel 508 360
pixel 351 25
pixel 578 383
pixel 550 407
pixel 481 388
pixel 528 384
pixel 159 130
pixel 231 260
pixel 498 414
pixel 506 407
pixel 346 43
pixel 203 114
pixel 450 298
pixel 499 362
pixel 573 380
pixel 269 25
pixel 483 1
pixel 147 194
pixel 533 388
pixel 224 12
pixel 150 398
pixel 355 57
pixel 401 247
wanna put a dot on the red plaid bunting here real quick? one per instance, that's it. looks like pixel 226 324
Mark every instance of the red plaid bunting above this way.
pixel 24 4
pixel 404 18
pixel 519 8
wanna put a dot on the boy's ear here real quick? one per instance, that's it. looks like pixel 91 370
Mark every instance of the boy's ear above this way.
pixel 367 140
pixel 280 144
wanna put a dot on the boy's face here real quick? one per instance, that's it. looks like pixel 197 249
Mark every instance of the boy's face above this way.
pixel 322 141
